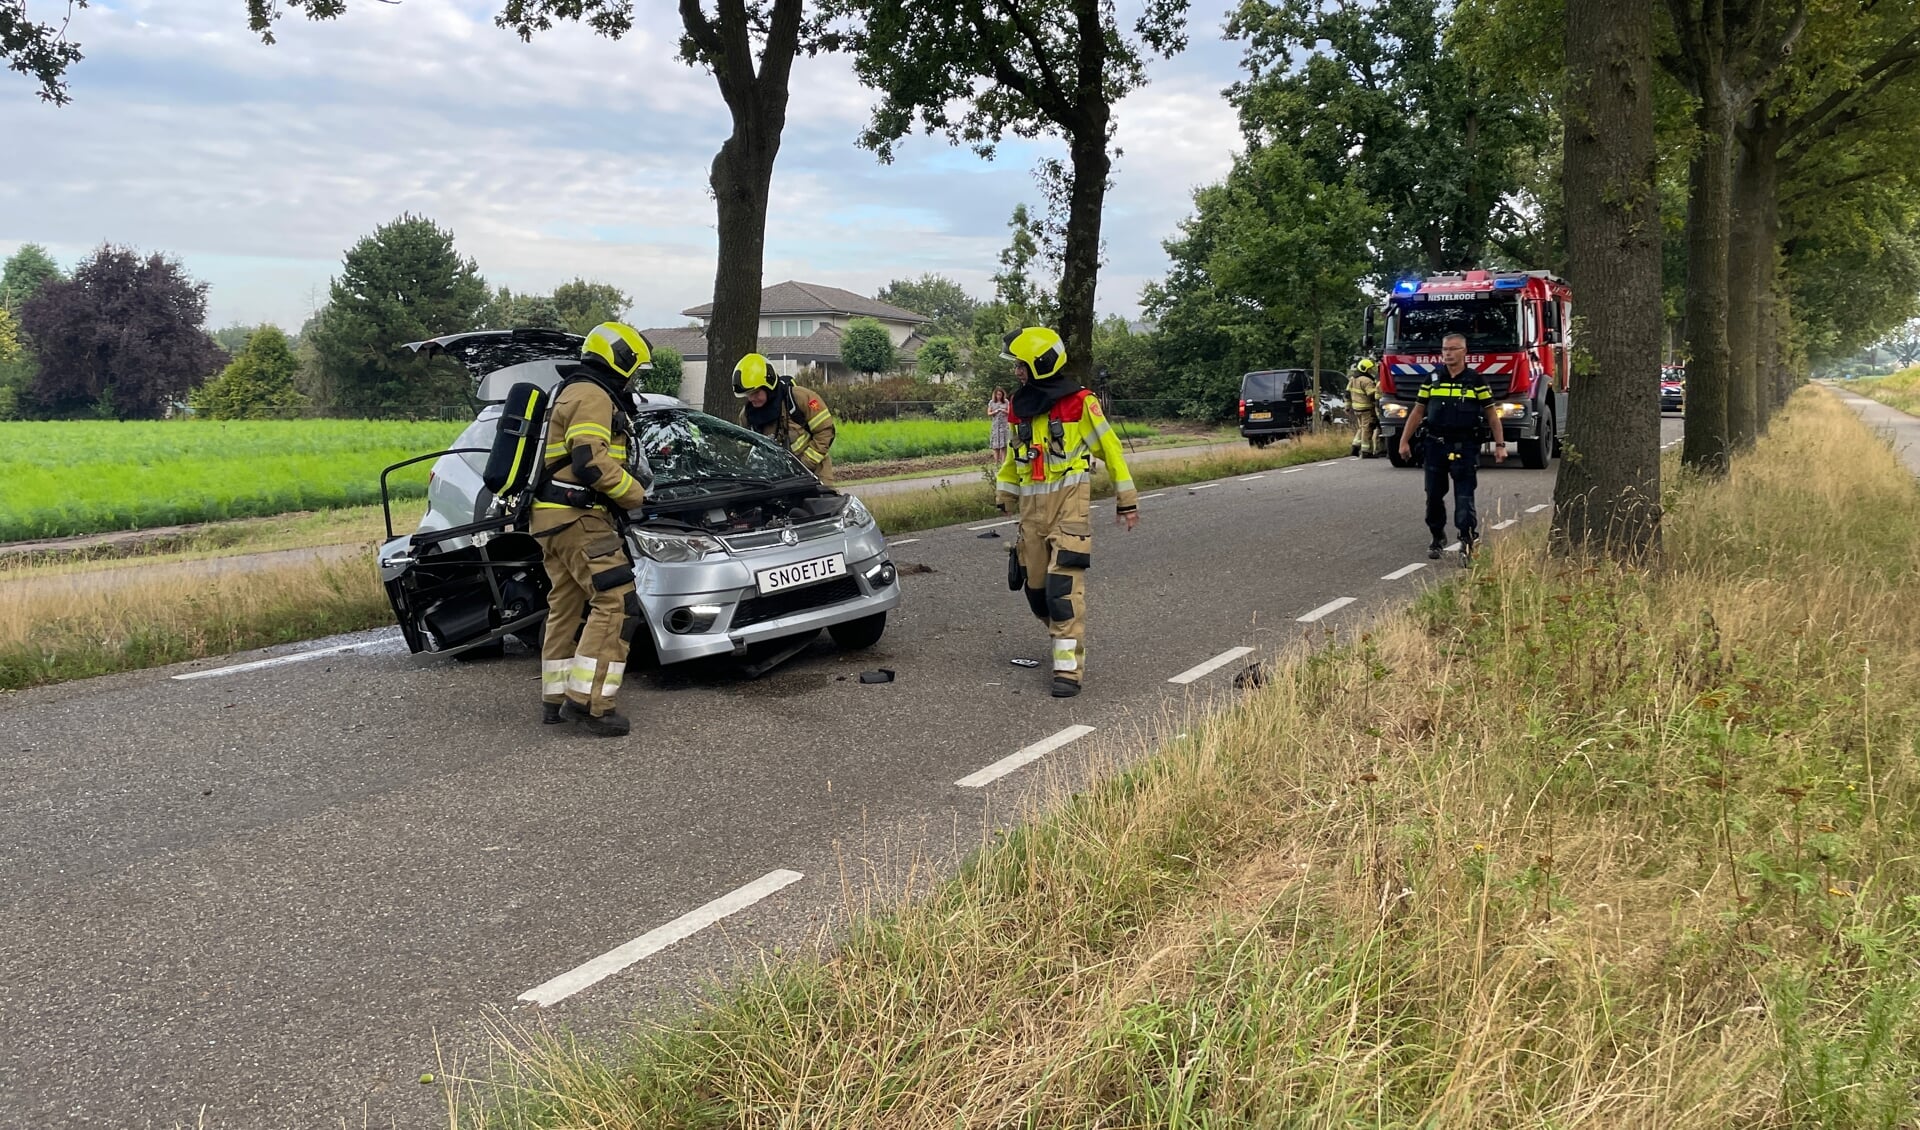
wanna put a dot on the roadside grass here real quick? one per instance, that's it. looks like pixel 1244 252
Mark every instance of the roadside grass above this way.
pixel 296 530
pixel 81 476
pixel 972 501
pixel 856 442
pixel 49 636
pixel 1901 390
pixel 1564 845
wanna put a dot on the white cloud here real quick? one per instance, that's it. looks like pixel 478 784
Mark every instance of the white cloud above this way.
pixel 570 155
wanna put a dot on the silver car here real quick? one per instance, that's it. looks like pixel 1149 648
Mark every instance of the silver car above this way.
pixel 740 552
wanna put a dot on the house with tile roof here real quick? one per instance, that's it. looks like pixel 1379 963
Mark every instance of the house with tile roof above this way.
pixel 801 326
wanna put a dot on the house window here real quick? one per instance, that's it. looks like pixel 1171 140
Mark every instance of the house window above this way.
pixel 789 327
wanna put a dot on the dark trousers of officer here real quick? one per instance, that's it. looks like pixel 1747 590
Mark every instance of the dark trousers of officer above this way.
pixel 1456 461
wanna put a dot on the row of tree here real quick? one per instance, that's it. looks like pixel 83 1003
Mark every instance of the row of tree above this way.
pixel 123 336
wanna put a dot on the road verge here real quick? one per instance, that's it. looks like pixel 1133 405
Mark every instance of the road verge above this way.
pixel 1563 844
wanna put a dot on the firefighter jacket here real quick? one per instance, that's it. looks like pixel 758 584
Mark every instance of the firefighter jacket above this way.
pixel 799 419
pixel 1056 451
pixel 586 452
pixel 1362 393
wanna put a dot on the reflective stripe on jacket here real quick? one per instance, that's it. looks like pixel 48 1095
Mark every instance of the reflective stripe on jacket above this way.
pixel 805 425
pixel 1361 392
pixel 1042 466
pixel 588 452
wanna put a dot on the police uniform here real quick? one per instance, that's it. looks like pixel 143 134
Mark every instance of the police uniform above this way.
pixel 1058 429
pixel 793 415
pixel 1363 396
pixel 1455 422
pixel 586 481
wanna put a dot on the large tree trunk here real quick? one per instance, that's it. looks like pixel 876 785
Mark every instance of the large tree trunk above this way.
pixel 742 177
pixel 1709 208
pixel 1750 270
pixel 1607 496
pixel 1080 257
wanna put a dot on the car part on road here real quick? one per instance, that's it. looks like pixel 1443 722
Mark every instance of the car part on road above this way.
pixel 883 675
pixel 1024 662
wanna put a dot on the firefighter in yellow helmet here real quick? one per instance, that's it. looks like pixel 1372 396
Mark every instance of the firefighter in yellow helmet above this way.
pixel 1058 429
pixel 777 407
pixel 1363 396
pixel 594 477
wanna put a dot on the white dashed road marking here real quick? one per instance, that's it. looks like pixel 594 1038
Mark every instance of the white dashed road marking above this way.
pixel 1250 478
pixel 1454 548
pixel 1293 470
pixel 1405 571
pixel 1204 486
pixel 991 525
pixel 901 541
pixel 1505 524
pixel 1210 666
pixel 1024 757
pixel 1539 508
pixel 657 939
pixel 372 646
pixel 1327 609
pixel 1147 497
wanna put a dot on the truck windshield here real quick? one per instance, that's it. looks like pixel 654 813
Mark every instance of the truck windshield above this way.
pixel 1489 323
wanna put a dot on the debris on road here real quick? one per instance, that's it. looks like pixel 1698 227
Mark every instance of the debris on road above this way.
pixel 991 534
pixel 883 675
pixel 914 569
pixel 1024 662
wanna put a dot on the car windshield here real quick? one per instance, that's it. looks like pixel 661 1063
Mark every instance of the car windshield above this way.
pixel 1488 323
pixel 695 454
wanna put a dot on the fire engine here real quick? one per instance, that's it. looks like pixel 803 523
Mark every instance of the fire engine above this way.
pixel 1516 325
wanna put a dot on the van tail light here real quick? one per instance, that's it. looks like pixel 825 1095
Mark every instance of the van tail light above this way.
pixel 1243 409
pixel 1311 408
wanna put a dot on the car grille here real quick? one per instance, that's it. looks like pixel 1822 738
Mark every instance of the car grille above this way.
pixel 762 539
pixel 758 609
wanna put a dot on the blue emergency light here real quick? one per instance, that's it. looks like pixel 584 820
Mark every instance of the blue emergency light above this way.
pixel 1508 284
pixel 1406 286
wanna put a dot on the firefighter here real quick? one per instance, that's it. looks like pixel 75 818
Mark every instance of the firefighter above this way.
pixel 795 416
pixel 1454 404
pixel 1363 396
pixel 1058 429
pixel 586 494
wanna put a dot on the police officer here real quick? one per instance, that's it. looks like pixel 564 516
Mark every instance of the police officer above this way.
pixel 1058 429
pixel 1363 396
pixel 1454 404
pixel 779 408
pixel 595 477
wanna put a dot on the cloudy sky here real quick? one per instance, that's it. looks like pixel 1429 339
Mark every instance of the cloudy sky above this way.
pixel 258 166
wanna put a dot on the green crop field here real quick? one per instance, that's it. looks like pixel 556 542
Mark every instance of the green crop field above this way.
pixel 84 476
pixel 910 439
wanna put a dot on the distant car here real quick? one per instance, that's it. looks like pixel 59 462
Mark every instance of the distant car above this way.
pixel 1279 403
pixel 740 550
pixel 1673 390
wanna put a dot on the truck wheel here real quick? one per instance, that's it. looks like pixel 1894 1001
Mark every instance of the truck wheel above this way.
pixel 1535 452
pixel 1393 456
pixel 858 635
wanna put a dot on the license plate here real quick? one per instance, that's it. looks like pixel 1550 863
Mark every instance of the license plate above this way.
pixel 1259 415
pixel 801 573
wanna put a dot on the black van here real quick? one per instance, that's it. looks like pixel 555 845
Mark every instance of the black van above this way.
pixel 1278 403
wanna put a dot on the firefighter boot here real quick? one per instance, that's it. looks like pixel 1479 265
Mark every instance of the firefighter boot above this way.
pixel 612 724
pixel 550 713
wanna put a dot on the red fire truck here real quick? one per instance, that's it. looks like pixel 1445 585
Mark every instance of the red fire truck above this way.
pixel 1516 325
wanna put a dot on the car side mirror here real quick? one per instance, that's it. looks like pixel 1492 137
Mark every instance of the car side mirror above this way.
pixel 1366 335
pixel 1553 337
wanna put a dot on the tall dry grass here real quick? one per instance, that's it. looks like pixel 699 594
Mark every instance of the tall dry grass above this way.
pixel 50 632
pixel 1566 845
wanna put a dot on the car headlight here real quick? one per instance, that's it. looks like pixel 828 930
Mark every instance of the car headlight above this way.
pixel 1507 409
pixel 673 547
pixel 1391 411
pixel 855 514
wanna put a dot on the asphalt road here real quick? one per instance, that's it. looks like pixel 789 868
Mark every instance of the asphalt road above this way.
pixel 275 895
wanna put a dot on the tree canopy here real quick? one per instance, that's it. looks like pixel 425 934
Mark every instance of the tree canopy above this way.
pixel 867 347
pixel 403 283
pixel 121 338
pixel 936 296
pixel 255 385
pixel 26 271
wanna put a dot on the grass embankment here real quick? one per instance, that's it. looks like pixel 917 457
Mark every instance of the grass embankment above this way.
pixel 50 633
pixel 1901 390
pixel 1567 845
pixel 81 476
pixel 973 500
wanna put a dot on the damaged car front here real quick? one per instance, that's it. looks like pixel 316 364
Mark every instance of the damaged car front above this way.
pixel 739 549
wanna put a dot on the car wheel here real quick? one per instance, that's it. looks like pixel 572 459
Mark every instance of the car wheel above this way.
pixel 857 635
pixel 1393 456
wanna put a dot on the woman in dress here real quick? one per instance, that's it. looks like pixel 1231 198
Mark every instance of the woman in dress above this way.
pixel 1001 435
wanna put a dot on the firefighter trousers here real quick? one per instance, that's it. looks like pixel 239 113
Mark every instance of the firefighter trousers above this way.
pixel 1055 548
pixel 1366 432
pixel 1456 461
pixel 587 564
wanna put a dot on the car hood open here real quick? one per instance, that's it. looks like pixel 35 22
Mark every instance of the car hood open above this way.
pixel 485 351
